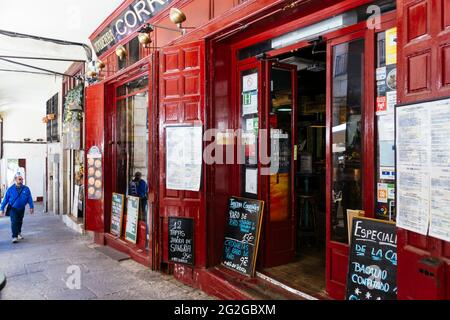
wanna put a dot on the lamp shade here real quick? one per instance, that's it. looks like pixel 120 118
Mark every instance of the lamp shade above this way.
pixel 144 39
pixel 100 64
pixel 121 51
pixel 177 16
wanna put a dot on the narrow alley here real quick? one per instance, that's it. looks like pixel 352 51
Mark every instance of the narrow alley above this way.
pixel 37 267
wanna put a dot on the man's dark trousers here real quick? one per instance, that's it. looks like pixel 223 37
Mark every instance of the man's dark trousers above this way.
pixel 16 216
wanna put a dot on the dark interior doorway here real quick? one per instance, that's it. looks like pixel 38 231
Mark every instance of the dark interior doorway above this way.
pixel 307 271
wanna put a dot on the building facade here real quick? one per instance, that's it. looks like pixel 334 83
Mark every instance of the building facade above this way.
pixel 323 77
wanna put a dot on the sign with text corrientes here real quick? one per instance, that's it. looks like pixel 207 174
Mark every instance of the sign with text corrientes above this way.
pixel 242 230
pixel 129 20
pixel 372 270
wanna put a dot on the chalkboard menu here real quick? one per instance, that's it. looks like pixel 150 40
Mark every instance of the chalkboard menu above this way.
pixel 372 271
pixel 131 227
pixel 117 213
pixel 242 234
pixel 181 240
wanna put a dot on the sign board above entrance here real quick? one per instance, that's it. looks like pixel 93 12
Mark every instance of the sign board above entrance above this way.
pixel 129 20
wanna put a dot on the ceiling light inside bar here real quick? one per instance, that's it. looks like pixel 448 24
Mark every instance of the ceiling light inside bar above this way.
pixel 311 31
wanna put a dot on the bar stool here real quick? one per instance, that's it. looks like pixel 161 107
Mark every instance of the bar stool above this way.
pixel 307 218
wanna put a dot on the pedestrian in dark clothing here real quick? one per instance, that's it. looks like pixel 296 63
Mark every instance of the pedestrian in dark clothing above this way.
pixel 17 197
pixel 139 188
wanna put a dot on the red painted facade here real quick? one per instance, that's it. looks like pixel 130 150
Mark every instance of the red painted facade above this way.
pixel 193 81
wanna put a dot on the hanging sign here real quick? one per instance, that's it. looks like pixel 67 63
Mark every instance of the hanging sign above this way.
pixel 181 240
pixel 129 20
pixel 372 267
pixel 132 219
pixel 117 213
pixel 94 173
pixel 242 232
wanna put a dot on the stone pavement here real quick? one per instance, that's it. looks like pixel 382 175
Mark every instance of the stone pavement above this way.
pixel 36 267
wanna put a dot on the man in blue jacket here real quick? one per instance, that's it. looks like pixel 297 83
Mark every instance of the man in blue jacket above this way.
pixel 17 196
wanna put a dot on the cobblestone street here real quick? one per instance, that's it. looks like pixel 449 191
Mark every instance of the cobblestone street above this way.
pixel 36 267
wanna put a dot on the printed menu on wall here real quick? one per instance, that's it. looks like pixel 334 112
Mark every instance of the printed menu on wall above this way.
pixel 117 213
pixel 423 162
pixel 181 240
pixel 413 168
pixel 94 173
pixel 242 234
pixel 184 158
pixel 372 269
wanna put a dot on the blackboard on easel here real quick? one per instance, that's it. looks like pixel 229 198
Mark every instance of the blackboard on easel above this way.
pixel 242 234
pixel 181 240
pixel 372 268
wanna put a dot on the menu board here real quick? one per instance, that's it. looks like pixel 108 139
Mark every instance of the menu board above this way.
pixel 132 219
pixel 184 158
pixel 94 173
pixel 423 162
pixel 242 234
pixel 372 270
pixel 117 213
pixel 181 240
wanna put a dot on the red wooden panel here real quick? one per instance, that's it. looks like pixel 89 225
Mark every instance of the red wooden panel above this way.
pixel 419 72
pixel 171 112
pixel 171 61
pixel 191 111
pixel 191 84
pixel 339 259
pixel 191 58
pixel 417 240
pixel 445 13
pixel 171 87
pixel 445 60
pixel 171 194
pixel 94 114
pixel 182 98
pixel 417 20
pixel 220 6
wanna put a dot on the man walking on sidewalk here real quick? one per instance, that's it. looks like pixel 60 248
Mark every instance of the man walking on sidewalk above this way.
pixel 17 196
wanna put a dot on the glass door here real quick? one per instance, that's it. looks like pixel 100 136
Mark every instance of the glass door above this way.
pixel 280 139
pixel 345 150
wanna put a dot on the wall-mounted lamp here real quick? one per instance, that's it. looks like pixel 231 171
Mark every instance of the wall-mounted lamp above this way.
pixel 91 74
pixel 100 64
pixel 177 16
pixel 121 52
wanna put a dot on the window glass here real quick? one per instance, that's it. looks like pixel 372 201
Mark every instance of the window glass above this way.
pixel 386 97
pixel 249 133
pixel 347 133
pixel 132 142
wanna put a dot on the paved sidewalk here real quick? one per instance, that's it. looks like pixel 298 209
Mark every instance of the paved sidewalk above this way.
pixel 36 267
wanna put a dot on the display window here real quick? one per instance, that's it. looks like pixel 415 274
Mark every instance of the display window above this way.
pixel 131 143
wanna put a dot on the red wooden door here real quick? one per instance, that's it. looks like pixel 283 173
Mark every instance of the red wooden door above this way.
pixel 423 74
pixel 95 98
pixel 279 114
pixel 182 98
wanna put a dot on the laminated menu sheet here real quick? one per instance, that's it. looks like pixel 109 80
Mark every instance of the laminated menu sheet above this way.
pixel 183 158
pixel 423 165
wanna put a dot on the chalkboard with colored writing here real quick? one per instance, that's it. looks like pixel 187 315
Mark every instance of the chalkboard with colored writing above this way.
pixel 181 240
pixel 117 213
pixel 242 232
pixel 372 269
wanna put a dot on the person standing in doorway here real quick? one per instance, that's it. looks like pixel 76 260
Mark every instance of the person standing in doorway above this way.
pixel 138 188
pixel 17 197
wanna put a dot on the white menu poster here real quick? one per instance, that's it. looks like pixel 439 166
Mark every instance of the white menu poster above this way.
pixel 183 158
pixel 440 169
pixel 413 168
